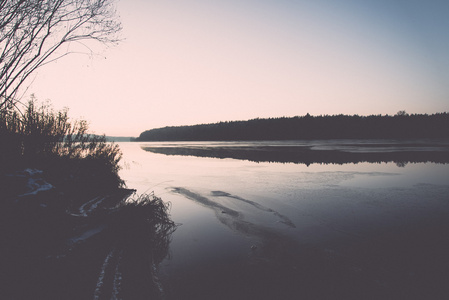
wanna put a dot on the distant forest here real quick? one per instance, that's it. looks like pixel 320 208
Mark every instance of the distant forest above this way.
pixel 399 126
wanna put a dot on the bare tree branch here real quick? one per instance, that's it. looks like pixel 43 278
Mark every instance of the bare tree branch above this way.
pixel 33 31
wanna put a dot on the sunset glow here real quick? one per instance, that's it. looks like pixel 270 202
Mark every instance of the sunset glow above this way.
pixel 190 62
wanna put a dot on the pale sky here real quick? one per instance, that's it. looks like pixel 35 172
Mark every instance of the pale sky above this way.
pixel 185 62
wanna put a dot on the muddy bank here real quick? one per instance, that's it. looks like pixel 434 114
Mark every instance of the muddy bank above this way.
pixel 58 245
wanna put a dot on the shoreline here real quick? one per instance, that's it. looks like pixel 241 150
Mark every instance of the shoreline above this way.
pixel 70 245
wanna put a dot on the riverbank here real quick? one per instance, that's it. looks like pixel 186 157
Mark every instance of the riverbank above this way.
pixel 63 244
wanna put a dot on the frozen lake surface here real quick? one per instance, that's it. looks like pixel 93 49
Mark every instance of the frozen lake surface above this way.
pixel 253 225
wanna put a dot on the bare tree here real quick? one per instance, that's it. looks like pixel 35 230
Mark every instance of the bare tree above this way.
pixel 33 31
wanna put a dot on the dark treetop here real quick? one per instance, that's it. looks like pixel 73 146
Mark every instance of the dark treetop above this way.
pixel 400 126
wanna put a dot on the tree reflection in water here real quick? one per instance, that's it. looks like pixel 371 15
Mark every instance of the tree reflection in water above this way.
pixel 309 152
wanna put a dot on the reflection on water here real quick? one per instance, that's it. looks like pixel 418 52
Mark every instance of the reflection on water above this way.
pixel 308 152
pixel 284 230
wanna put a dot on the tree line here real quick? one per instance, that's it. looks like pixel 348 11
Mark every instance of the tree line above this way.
pixel 399 126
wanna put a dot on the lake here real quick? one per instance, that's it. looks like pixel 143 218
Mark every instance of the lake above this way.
pixel 258 221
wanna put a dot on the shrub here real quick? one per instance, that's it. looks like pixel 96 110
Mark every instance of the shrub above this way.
pixel 40 137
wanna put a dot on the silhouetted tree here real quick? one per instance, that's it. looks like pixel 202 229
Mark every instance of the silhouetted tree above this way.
pixel 33 31
pixel 402 113
pixel 310 127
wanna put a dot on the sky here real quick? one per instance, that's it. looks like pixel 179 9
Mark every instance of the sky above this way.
pixel 185 62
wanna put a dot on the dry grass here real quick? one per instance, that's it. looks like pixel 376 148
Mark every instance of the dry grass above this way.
pixel 40 137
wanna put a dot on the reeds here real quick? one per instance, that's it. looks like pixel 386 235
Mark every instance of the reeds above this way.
pixel 144 215
pixel 135 239
pixel 110 248
pixel 41 137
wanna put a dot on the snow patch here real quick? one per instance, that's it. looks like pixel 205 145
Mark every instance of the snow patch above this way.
pixel 86 235
pixel 117 279
pixel 34 184
pixel 100 280
pixel 88 207
pixel 32 172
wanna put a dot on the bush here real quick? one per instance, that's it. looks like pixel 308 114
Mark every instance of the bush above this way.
pixel 43 138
